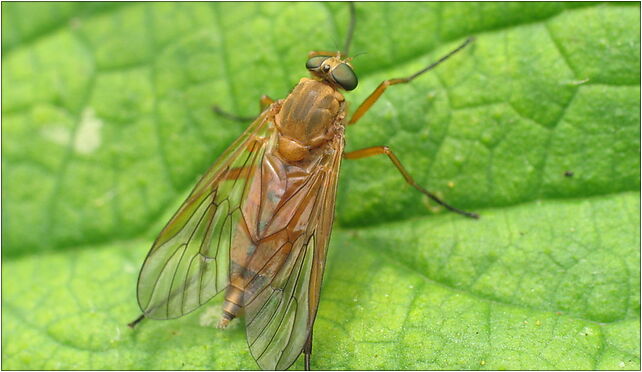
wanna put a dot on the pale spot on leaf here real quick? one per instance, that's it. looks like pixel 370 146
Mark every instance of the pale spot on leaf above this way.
pixel 88 135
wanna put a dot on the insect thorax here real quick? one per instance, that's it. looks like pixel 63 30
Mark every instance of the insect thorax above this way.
pixel 310 113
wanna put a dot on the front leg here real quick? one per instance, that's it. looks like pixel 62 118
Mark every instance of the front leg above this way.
pixel 374 96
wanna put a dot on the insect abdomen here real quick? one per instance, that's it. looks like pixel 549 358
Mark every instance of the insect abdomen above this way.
pixel 232 305
pixel 267 230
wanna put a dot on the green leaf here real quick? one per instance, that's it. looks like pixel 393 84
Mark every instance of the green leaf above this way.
pixel 107 125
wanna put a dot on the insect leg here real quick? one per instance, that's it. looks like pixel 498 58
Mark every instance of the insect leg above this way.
pixel 264 102
pixel 135 322
pixel 378 150
pixel 307 350
pixel 374 96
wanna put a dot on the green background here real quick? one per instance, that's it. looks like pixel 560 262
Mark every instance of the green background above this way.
pixel 107 126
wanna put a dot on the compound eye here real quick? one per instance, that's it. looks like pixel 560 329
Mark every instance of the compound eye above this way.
pixel 345 77
pixel 315 62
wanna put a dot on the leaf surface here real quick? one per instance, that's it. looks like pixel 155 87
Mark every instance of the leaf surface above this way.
pixel 107 125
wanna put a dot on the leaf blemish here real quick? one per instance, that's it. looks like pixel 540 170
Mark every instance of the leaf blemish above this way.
pixel 576 82
pixel 88 136
pixel 117 337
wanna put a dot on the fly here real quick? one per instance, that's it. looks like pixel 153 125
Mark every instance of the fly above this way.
pixel 258 223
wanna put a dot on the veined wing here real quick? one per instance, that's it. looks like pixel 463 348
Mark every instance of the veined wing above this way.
pixel 282 295
pixel 188 263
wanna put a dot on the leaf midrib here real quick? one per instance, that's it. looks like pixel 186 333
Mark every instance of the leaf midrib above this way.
pixel 154 221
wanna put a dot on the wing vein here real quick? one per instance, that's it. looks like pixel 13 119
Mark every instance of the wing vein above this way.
pixel 300 265
pixel 280 302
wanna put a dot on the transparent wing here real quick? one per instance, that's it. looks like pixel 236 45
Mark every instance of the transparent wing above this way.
pixel 188 263
pixel 281 300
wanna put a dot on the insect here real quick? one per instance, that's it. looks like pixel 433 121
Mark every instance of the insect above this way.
pixel 258 223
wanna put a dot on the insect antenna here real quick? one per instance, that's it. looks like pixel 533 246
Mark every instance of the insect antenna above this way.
pixel 346 46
